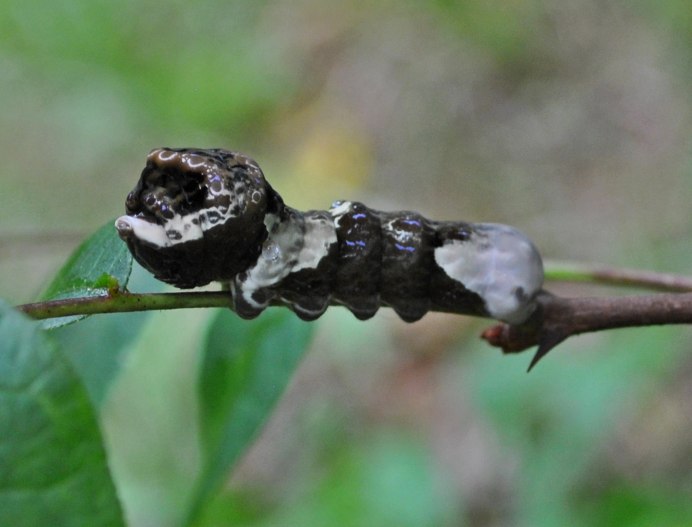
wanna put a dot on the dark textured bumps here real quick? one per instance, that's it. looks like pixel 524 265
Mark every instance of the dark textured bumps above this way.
pixel 369 266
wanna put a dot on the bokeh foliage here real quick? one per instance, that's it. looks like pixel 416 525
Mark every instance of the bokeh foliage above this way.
pixel 569 119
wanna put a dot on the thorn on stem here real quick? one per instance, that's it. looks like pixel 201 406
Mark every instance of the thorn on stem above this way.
pixel 548 342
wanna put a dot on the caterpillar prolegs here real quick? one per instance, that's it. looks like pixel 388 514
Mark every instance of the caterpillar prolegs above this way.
pixel 198 216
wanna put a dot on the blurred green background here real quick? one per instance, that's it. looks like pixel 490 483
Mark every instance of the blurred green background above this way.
pixel 568 119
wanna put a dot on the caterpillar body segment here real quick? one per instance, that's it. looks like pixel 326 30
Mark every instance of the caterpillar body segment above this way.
pixel 198 216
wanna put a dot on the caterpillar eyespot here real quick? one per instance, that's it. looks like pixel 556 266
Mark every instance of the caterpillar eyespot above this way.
pixel 199 216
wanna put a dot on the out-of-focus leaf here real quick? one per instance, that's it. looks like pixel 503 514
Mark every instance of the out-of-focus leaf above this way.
pixel 388 479
pixel 53 468
pixel 557 417
pixel 236 507
pixel 638 506
pixel 98 346
pixel 99 263
pixel 149 418
pixel 245 368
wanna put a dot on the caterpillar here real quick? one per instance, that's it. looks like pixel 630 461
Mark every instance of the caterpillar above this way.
pixel 208 215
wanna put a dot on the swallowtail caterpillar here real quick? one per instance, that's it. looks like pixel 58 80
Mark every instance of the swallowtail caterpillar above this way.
pixel 200 216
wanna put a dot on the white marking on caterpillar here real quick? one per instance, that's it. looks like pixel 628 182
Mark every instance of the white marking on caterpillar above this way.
pixel 501 265
pixel 400 235
pixel 145 231
pixel 280 252
pixel 338 209
pixel 270 220
pixel 288 249
pixel 179 229
pixel 183 228
pixel 320 234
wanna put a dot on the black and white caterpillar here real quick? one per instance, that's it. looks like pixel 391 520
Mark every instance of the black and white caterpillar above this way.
pixel 198 216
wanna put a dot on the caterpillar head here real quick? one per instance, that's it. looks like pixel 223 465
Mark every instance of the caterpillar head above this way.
pixel 197 216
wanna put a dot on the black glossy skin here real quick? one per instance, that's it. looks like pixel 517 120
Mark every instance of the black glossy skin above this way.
pixel 378 259
pixel 227 248
pixel 375 268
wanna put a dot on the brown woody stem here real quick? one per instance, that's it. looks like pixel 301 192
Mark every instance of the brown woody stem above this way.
pixel 555 319
pixel 617 276
pixel 558 318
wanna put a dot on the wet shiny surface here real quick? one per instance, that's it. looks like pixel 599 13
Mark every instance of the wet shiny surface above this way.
pixel 198 216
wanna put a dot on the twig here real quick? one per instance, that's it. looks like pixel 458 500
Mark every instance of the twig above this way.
pixel 122 302
pixel 555 319
pixel 617 276
pixel 558 318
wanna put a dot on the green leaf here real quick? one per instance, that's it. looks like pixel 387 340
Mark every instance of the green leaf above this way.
pixel 98 346
pixel 245 368
pixel 53 468
pixel 387 478
pixel 100 263
pixel 557 419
